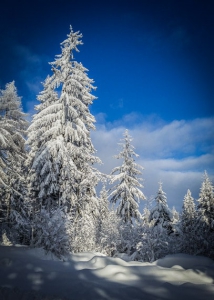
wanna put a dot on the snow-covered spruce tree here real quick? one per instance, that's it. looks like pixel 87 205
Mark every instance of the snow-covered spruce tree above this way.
pixel 127 191
pixel 160 226
pixel 61 157
pixel 13 127
pixel 143 241
pixel 160 214
pixel 151 242
pixel 107 228
pixel 205 218
pixel 127 194
pixel 188 225
pixel 176 232
pixel 175 216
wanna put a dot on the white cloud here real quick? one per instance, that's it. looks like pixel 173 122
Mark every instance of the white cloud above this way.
pixel 176 153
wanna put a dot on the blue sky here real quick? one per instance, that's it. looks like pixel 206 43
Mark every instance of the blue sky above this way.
pixel 153 65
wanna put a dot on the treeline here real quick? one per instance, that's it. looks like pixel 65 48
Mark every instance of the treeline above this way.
pixel 48 180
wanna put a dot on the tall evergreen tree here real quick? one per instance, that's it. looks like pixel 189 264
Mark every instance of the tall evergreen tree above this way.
pixel 62 154
pixel 127 191
pixel 13 127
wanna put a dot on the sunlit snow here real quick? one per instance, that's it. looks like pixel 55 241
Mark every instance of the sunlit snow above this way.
pixel 27 274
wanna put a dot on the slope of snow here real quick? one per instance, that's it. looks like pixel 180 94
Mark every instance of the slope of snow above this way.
pixel 27 274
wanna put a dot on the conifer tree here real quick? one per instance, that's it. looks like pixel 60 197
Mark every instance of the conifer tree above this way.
pixel 107 227
pixel 188 224
pixel 155 242
pixel 160 214
pixel 175 222
pixel 13 127
pixel 205 218
pixel 206 203
pixel 175 215
pixel 62 154
pixel 188 212
pixel 127 191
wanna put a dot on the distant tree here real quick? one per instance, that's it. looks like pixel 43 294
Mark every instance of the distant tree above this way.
pixel 13 127
pixel 152 240
pixel 205 218
pixel 160 214
pixel 107 228
pixel 153 243
pixel 188 224
pixel 174 237
pixel 127 191
pixel 62 155
pixel 175 215
pixel 206 202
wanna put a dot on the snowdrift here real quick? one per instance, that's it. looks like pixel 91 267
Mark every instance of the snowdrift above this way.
pixel 27 274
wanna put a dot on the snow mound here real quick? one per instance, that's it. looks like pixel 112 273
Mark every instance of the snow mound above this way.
pixel 185 261
pixel 84 256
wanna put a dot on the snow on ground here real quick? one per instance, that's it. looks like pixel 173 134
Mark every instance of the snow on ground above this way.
pixel 27 274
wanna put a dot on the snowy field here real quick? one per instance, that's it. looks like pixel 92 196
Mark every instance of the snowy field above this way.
pixel 29 274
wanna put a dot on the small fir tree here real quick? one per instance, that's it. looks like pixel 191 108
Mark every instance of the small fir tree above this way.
pixel 107 227
pixel 188 224
pixel 160 214
pixel 127 191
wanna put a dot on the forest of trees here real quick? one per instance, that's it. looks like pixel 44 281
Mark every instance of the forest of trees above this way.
pixel 48 180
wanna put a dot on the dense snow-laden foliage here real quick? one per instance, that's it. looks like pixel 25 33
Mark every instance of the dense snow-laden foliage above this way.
pixel 205 218
pixel 188 225
pixel 206 202
pixel 49 230
pixel 62 155
pixel 13 127
pixel 95 234
pixel 160 214
pixel 153 243
pixel 149 242
pixel 175 220
pixel 107 226
pixel 127 191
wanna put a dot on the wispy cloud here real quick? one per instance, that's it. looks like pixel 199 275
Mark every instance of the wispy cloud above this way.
pixel 176 153
pixel 33 70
